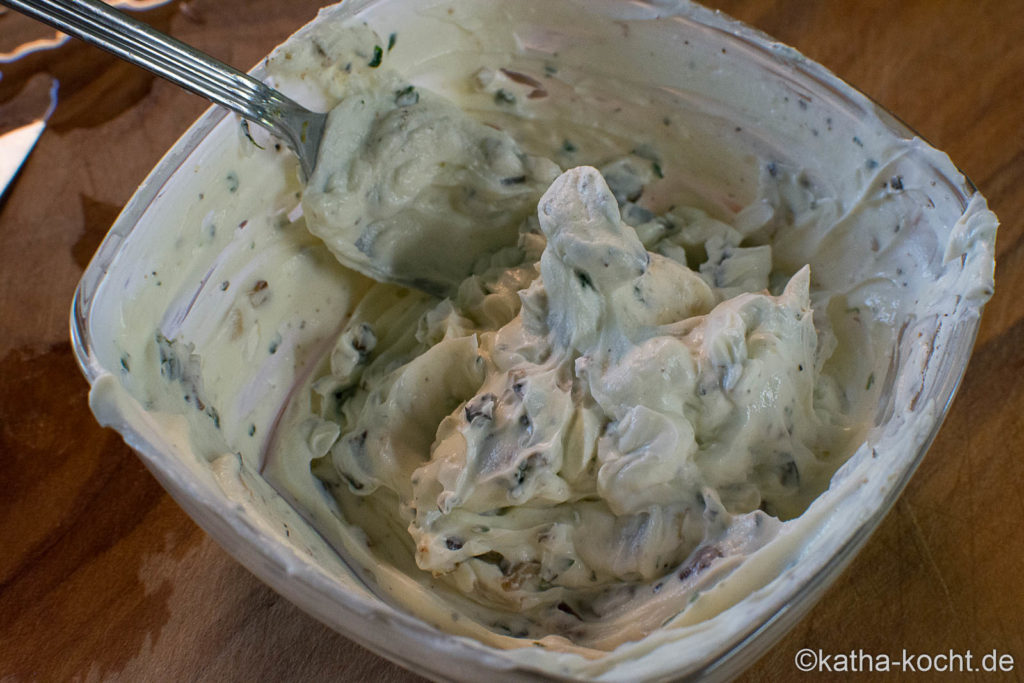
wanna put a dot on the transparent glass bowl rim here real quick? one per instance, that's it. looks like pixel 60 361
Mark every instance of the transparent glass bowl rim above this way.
pixel 745 649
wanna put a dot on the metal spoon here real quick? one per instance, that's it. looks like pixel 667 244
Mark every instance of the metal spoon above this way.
pixel 97 23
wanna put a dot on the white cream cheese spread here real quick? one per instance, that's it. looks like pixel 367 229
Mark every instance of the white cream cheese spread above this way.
pixel 619 381
pixel 584 418
pixel 561 436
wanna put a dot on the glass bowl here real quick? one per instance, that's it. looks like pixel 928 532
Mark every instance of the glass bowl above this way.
pixel 735 106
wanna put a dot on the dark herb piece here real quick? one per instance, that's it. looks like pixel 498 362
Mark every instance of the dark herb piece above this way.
pixel 584 280
pixel 378 57
pixel 453 543
pixel 407 96
pixel 392 39
pixel 248 136
pixel 526 468
pixel 896 183
pixel 364 341
pixel 259 293
pixel 701 561
pixel 504 97
pixel 656 167
pixel 638 294
pixel 513 180
pixel 170 366
pixel 568 147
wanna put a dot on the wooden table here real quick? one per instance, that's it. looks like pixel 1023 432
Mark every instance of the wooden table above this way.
pixel 102 576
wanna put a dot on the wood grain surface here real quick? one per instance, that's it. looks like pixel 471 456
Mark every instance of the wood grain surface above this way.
pixel 103 577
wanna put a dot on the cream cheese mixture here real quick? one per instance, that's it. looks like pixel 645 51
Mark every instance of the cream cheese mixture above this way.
pixel 580 369
pixel 584 418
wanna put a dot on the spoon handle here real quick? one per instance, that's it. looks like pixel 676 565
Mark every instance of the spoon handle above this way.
pixel 105 27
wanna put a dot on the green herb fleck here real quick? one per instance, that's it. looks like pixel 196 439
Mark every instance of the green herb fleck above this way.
pixel 657 169
pixel 407 96
pixel 378 57
pixel 232 181
pixel 871 382
pixel 504 97
pixel 568 147
pixel 248 135
pixel 392 39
